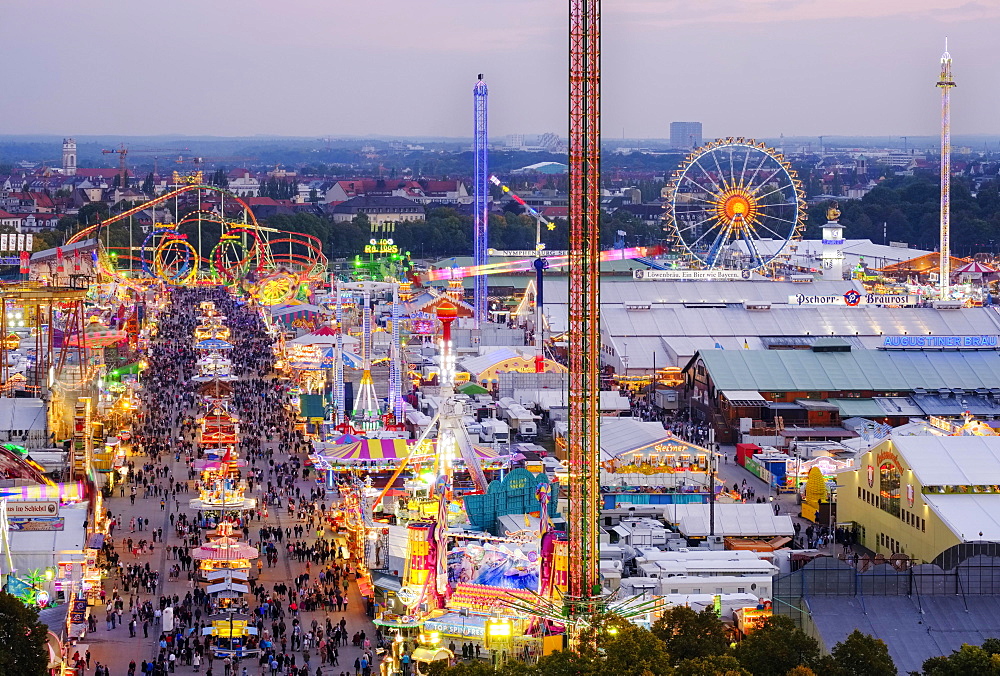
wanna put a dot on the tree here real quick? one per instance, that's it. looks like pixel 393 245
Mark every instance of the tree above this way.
pixel 801 671
pixel 968 659
pixel 93 212
pixel 147 185
pixel 23 639
pixel 566 663
pixel 717 665
pixel 630 650
pixel 863 655
pixel 689 635
pixel 777 647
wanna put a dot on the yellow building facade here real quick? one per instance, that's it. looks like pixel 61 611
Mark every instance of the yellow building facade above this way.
pixel 920 495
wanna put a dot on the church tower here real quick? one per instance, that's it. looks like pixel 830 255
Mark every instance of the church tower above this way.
pixel 69 157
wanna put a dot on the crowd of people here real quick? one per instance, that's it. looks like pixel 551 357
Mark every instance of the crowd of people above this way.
pixel 294 528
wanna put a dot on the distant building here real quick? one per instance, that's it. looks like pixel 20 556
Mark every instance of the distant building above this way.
pixel 543 168
pixel 243 184
pixel 686 135
pixel 379 209
pixel 514 141
pixel 69 157
pixel 423 191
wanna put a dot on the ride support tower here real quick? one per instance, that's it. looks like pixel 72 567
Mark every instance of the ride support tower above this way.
pixel 945 82
pixel 584 586
pixel 480 95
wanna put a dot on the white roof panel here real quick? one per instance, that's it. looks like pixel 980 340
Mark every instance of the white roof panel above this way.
pixel 732 520
pixel 951 461
pixel 971 516
pixel 22 414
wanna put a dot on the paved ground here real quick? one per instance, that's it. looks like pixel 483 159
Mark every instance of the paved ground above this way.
pixel 114 647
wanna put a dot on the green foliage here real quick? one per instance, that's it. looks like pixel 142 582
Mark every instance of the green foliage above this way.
pixel 968 659
pixel 22 638
pixel 863 655
pixel 567 663
pixel 634 651
pixel 688 635
pixel 280 190
pixel 777 647
pixel 717 665
pixel 906 209
pixel 93 212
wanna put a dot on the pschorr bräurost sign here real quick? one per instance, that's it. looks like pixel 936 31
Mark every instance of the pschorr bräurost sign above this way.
pixel 852 298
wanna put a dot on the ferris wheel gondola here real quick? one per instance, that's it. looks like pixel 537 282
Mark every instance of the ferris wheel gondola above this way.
pixel 735 203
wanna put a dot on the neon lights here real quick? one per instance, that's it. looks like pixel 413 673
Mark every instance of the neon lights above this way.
pixel 381 246
pixel 481 196
pixel 525 265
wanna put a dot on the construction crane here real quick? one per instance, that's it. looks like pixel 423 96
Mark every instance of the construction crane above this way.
pixel 123 150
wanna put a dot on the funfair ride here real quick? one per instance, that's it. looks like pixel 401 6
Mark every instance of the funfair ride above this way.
pixel 727 197
pixel 267 263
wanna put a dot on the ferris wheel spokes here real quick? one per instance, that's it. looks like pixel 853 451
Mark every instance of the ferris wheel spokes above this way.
pixel 720 215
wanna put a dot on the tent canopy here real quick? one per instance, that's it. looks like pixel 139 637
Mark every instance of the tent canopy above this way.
pixel 386 450
pixel 470 388
pixel 213 344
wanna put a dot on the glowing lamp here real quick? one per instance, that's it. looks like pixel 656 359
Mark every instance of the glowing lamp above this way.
pixel 447 312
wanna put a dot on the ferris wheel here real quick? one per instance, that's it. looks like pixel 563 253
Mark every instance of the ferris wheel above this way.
pixel 735 203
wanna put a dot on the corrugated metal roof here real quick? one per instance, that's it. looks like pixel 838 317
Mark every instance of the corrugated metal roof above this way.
pixel 627 290
pixel 858 407
pixel 913 631
pixel 805 371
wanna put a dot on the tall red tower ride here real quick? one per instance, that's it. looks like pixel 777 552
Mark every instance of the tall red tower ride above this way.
pixel 584 304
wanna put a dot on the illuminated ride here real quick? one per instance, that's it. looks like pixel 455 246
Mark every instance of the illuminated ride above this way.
pixel 728 196
pixel 458 579
pixel 528 264
pixel 269 264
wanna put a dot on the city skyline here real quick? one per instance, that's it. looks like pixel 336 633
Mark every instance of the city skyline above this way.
pixel 742 68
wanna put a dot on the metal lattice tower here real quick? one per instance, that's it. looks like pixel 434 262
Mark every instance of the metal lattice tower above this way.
pixel 481 194
pixel 339 397
pixel 945 83
pixel 584 304
pixel 366 406
pixel 396 361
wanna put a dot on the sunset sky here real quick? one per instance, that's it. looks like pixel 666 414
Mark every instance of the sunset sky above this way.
pixel 389 67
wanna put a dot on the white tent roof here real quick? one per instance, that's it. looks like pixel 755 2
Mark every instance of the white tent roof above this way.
pixel 22 414
pixel 619 435
pixel 41 549
pixel 313 339
pixel 544 398
pixel 477 365
pixel 951 461
pixel 970 516
pixel 614 401
pixel 282 310
pixel 227 586
pixel 732 520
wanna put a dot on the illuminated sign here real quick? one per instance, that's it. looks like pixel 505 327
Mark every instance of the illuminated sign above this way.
pixel 853 298
pixel 381 246
pixel 524 253
pixel 33 508
pixel 919 342
pixel 659 275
